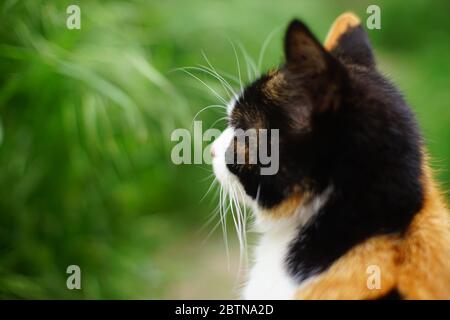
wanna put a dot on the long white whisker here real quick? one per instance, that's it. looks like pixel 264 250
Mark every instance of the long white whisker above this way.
pixel 229 76
pixel 223 220
pixel 258 192
pixel 211 68
pixel 209 189
pixel 213 74
pixel 214 213
pixel 203 168
pixel 210 233
pixel 243 245
pixel 211 175
pixel 212 216
pixel 208 107
pixel 201 81
pixel 225 84
pixel 218 120
pixel 238 64
pixel 235 217
pixel 251 66
pixel 244 224
pixel 265 45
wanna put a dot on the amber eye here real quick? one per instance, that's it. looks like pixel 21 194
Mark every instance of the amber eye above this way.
pixel 241 150
pixel 244 148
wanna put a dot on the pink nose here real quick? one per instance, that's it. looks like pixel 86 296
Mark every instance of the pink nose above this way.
pixel 213 153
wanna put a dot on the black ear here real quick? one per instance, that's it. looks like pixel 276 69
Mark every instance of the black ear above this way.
pixel 348 41
pixel 302 50
pixel 306 56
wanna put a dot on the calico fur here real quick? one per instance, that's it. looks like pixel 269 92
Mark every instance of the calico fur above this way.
pixel 347 132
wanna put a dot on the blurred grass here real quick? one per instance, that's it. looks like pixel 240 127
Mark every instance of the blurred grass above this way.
pixel 85 123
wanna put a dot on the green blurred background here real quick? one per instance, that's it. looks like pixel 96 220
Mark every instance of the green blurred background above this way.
pixel 85 123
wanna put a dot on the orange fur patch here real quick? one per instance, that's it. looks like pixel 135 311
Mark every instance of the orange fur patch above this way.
pixel 288 207
pixel 347 277
pixel 425 271
pixel 417 264
pixel 340 26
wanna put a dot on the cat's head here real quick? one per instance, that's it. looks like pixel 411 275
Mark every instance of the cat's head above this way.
pixel 318 100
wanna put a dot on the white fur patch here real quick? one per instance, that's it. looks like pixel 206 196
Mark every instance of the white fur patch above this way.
pixel 219 147
pixel 231 105
pixel 269 278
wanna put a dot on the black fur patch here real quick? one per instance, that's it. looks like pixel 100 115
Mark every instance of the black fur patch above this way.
pixel 375 174
pixel 354 47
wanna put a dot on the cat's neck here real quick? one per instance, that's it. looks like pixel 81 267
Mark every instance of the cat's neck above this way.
pixel 299 217
pixel 269 277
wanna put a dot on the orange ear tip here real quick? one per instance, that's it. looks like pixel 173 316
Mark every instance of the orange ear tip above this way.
pixel 340 26
pixel 348 18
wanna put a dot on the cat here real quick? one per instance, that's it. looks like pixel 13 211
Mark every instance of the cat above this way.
pixel 354 193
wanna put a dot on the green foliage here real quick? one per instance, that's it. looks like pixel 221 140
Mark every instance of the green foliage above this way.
pixel 86 116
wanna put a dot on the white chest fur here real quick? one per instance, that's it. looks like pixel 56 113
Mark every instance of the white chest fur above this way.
pixel 269 278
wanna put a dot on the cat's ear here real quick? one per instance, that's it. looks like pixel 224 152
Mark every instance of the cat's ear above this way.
pixel 305 55
pixel 348 40
pixel 302 50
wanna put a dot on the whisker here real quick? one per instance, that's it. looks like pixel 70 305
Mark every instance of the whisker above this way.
pixel 213 183
pixel 219 106
pixel 242 222
pixel 210 233
pixel 211 68
pixel 213 74
pixel 223 221
pixel 258 192
pixel 210 219
pixel 225 84
pixel 213 216
pixel 218 120
pixel 251 66
pixel 265 45
pixel 204 169
pixel 211 175
pixel 235 219
pixel 206 85
pixel 228 75
pixel 237 64
pixel 241 229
